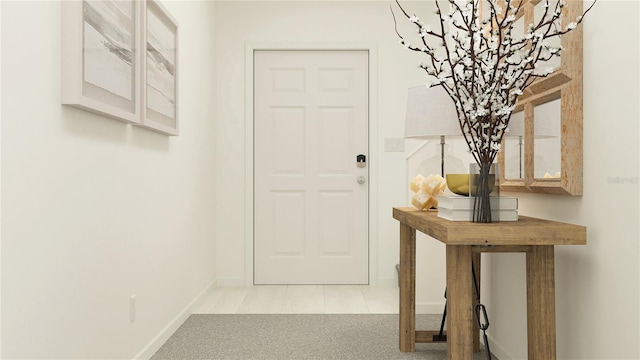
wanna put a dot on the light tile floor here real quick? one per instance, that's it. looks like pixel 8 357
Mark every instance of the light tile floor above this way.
pixel 301 299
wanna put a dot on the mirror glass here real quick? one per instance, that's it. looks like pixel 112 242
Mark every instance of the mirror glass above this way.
pixel 485 12
pixel 554 42
pixel 514 147
pixel 517 32
pixel 546 145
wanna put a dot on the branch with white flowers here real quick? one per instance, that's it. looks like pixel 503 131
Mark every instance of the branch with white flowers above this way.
pixel 482 66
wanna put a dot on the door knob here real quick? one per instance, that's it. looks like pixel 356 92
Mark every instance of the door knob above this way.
pixel 361 180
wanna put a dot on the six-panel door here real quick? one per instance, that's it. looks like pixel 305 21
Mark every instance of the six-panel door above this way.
pixel 311 198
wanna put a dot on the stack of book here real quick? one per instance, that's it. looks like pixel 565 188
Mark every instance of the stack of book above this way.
pixel 460 208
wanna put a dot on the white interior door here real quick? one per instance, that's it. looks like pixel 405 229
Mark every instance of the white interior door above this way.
pixel 310 197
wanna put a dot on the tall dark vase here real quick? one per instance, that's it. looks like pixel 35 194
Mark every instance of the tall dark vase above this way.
pixel 482 186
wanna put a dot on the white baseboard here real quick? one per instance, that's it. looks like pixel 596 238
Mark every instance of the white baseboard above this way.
pixel 240 282
pixel 429 308
pixel 387 282
pixel 154 345
pixel 498 350
pixel 231 282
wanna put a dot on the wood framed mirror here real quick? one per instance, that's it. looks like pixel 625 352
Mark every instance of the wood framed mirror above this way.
pixel 543 150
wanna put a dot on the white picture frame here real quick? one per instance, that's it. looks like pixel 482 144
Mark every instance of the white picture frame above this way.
pixel 100 67
pixel 159 72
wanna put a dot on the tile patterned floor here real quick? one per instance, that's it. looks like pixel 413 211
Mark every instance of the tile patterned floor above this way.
pixel 301 299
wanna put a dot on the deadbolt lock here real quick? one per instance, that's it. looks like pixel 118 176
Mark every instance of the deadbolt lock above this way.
pixel 361 161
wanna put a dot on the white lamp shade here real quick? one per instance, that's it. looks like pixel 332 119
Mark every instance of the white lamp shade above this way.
pixel 430 113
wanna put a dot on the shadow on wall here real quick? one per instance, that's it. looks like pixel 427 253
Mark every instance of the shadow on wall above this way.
pixel 87 125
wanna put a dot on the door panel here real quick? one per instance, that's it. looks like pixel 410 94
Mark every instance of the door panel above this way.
pixel 310 123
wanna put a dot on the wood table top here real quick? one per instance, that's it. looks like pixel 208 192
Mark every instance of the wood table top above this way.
pixel 525 231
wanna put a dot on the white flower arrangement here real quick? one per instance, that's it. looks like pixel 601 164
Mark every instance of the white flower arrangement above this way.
pixel 483 66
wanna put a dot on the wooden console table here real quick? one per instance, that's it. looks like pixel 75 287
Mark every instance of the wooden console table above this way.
pixel 466 241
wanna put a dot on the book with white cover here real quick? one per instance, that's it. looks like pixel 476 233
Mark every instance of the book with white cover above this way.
pixel 467 215
pixel 458 202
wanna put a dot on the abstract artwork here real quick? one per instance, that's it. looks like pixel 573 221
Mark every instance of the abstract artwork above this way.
pixel 119 59
pixel 109 37
pixel 100 66
pixel 160 66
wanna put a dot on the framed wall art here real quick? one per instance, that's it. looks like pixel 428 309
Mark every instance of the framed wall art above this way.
pixel 120 59
pixel 159 69
pixel 99 64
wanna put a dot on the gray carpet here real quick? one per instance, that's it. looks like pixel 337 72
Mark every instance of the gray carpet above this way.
pixel 299 337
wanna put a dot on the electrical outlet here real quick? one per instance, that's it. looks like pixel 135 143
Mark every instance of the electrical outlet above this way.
pixel 132 309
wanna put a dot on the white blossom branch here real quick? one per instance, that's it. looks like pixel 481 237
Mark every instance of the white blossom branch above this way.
pixel 485 68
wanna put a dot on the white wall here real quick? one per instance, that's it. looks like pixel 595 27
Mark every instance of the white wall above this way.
pixel 93 210
pixel 597 285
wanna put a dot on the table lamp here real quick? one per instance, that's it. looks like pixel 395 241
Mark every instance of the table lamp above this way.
pixel 516 129
pixel 431 114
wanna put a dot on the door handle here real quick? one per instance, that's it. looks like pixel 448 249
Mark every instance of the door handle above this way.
pixel 361 180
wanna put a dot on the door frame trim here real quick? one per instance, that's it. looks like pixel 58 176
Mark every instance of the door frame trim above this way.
pixel 372 49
